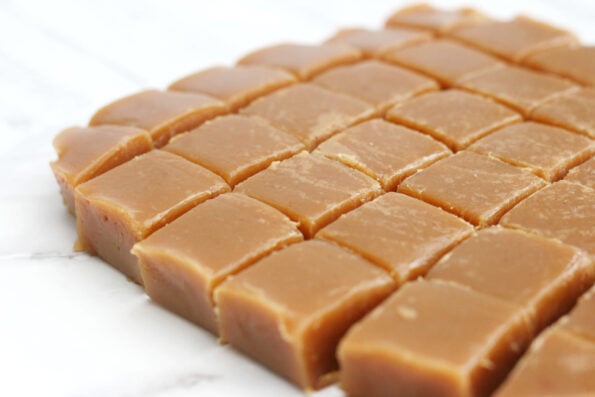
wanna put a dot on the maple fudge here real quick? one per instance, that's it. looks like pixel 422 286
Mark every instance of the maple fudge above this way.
pixel 583 174
pixel 84 153
pixel 445 60
pixel 183 262
pixel 376 82
pixel 475 187
pixel 575 111
pixel 515 39
pixel 303 60
pixel 563 210
pixel 549 152
pixel 385 151
pixel 541 276
pixel 290 310
pixel 129 202
pixel 374 43
pixel 311 189
pixel 310 113
pixel 521 89
pixel 425 16
pixel 454 117
pixel 432 339
pixel 235 147
pixel 402 235
pixel 581 320
pixel 557 365
pixel 236 86
pixel 576 63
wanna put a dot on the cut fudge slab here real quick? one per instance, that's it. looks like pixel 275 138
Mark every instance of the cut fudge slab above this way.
pixel 289 310
pixel 475 187
pixel 454 117
pixel 403 235
pixel 162 113
pixel 581 320
pixel 575 111
pixel 576 63
pixel 235 147
pixel 445 60
pixel 310 113
pixel 376 82
pixel 424 16
pixel 374 43
pixel 515 39
pixel 384 151
pixel 237 86
pixel 557 365
pixel 521 89
pixel 432 339
pixel 183 262
pixel 84 153
pixel 563 210
pixel 541 276
pixel 583 174
pixel 303 60
pixel 129 202
pixel 311 189
pixel 548 152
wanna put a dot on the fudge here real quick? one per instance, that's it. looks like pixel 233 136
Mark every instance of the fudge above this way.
pixel 583 174
pixel 425 16
pixel 580 320
pixel 575 63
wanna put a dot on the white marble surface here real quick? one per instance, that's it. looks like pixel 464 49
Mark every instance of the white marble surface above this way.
pixel 69 324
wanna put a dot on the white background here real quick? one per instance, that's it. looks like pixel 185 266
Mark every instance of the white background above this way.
pixel 69 324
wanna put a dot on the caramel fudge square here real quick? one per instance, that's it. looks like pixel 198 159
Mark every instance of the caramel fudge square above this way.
pixel 441 21
pixel 583 174
pixel 575 112
pixel 128 203
pixel 576 63
pixel 580 321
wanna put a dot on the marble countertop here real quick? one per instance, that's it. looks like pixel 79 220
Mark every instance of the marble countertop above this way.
pixel 69 324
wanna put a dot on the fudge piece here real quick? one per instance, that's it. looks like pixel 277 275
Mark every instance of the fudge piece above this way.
pixel 557 365
pixel 182 263
pixel 374 43
pixel 515 39
pixel 290 310
pixel 402 235
pixel 432 339
pixel 445 60
pixel 385 151
pixel 575 111
pixel 129 202
pixel 235 147
pixel 548 152
pixel 237 86
pixel 162 113
pixel 303 60
pixel 576 63
pixel 454 117
pixel 84 153
pixel 581 320
pixel 376 82
pixel 310 113
pixel 311 189
pixel 475 187
pixel 563 210
pixel 519 88
pixel 541 276
pixel 583 174
pixel 425 16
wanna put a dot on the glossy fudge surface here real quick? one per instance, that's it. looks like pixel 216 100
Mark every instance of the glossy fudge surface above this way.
pixel 438 20
pixel 432 339
pixel 129 202
pixel 477 188
pixel 403 235
pixel 310 113
pixel 83 153
pixel 237 86
pixel 235 147
pixel 183 262
pixel 290 310
pixel 374 43
pixel 385 151
pixel 454 117
pixel 583 174
pixel 162 113
pixel 576 63
pixel 575 111
pixel 581 320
